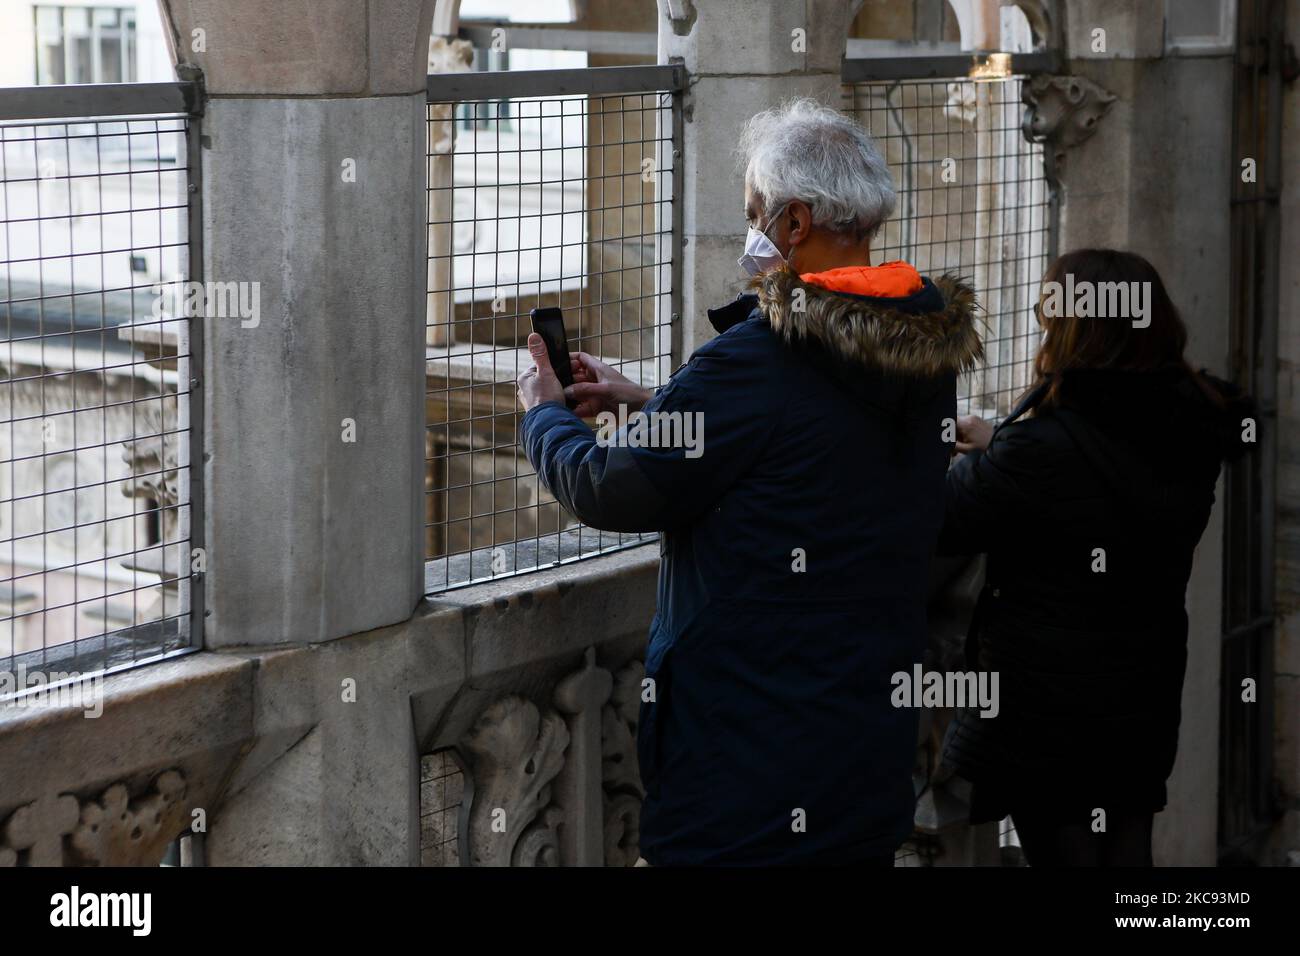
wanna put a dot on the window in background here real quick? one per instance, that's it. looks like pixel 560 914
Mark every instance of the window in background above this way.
pixel 84 44
pixel 539 11
pixel 1200 27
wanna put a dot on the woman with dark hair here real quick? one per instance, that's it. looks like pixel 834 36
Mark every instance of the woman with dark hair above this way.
pixel 1089 500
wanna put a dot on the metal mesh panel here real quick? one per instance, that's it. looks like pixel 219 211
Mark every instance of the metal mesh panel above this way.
pixel 94 393
pixel 972 200
pixel 533 202
pixel 442 793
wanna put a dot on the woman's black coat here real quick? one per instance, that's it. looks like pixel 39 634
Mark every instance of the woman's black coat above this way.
pixel 1090 511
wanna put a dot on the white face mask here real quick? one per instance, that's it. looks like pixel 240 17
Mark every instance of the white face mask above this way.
pixel 761 253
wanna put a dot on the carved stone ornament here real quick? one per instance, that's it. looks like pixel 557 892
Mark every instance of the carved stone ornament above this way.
pixel 514 754
pixel 580 697
pixel 153 460
pixel 1063 111
pixel 620 776
pixel 113 830
pixel 559 788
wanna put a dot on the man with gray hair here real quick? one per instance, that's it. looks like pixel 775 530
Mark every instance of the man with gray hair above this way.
pixel 797 537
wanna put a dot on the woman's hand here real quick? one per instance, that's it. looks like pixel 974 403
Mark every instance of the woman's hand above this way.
pixel 599 388
pixel 973 434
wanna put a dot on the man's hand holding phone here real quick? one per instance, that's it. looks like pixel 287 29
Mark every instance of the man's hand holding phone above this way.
pixel 588 385
pixel 598 387
pixel 539 384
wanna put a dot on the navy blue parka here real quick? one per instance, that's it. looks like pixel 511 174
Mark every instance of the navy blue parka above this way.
pixel 796 551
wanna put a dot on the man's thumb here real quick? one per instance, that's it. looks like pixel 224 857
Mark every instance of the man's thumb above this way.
pixel 537 349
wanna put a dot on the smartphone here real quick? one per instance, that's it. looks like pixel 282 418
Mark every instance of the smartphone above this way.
pixel 549 324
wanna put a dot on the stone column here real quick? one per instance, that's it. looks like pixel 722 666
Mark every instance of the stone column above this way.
pixel 743 56
pixel 313 192
pixel 1155 179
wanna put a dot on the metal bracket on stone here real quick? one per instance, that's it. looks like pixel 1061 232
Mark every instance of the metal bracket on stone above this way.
pixel 196 94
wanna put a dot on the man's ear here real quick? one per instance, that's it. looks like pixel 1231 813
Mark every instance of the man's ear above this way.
pixel 800 221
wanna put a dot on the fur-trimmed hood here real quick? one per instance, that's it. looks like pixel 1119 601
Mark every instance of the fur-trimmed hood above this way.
pixel 871 332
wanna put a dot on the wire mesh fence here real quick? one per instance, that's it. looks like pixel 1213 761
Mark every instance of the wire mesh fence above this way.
pixel 442 795
pixel 973 200
pixel 535 201
pixel 95 372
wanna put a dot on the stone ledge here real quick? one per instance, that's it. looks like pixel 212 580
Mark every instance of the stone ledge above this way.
pixel 193 712
pixel 244 727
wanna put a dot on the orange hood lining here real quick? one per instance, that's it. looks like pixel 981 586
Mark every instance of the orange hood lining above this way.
pixel 889 280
